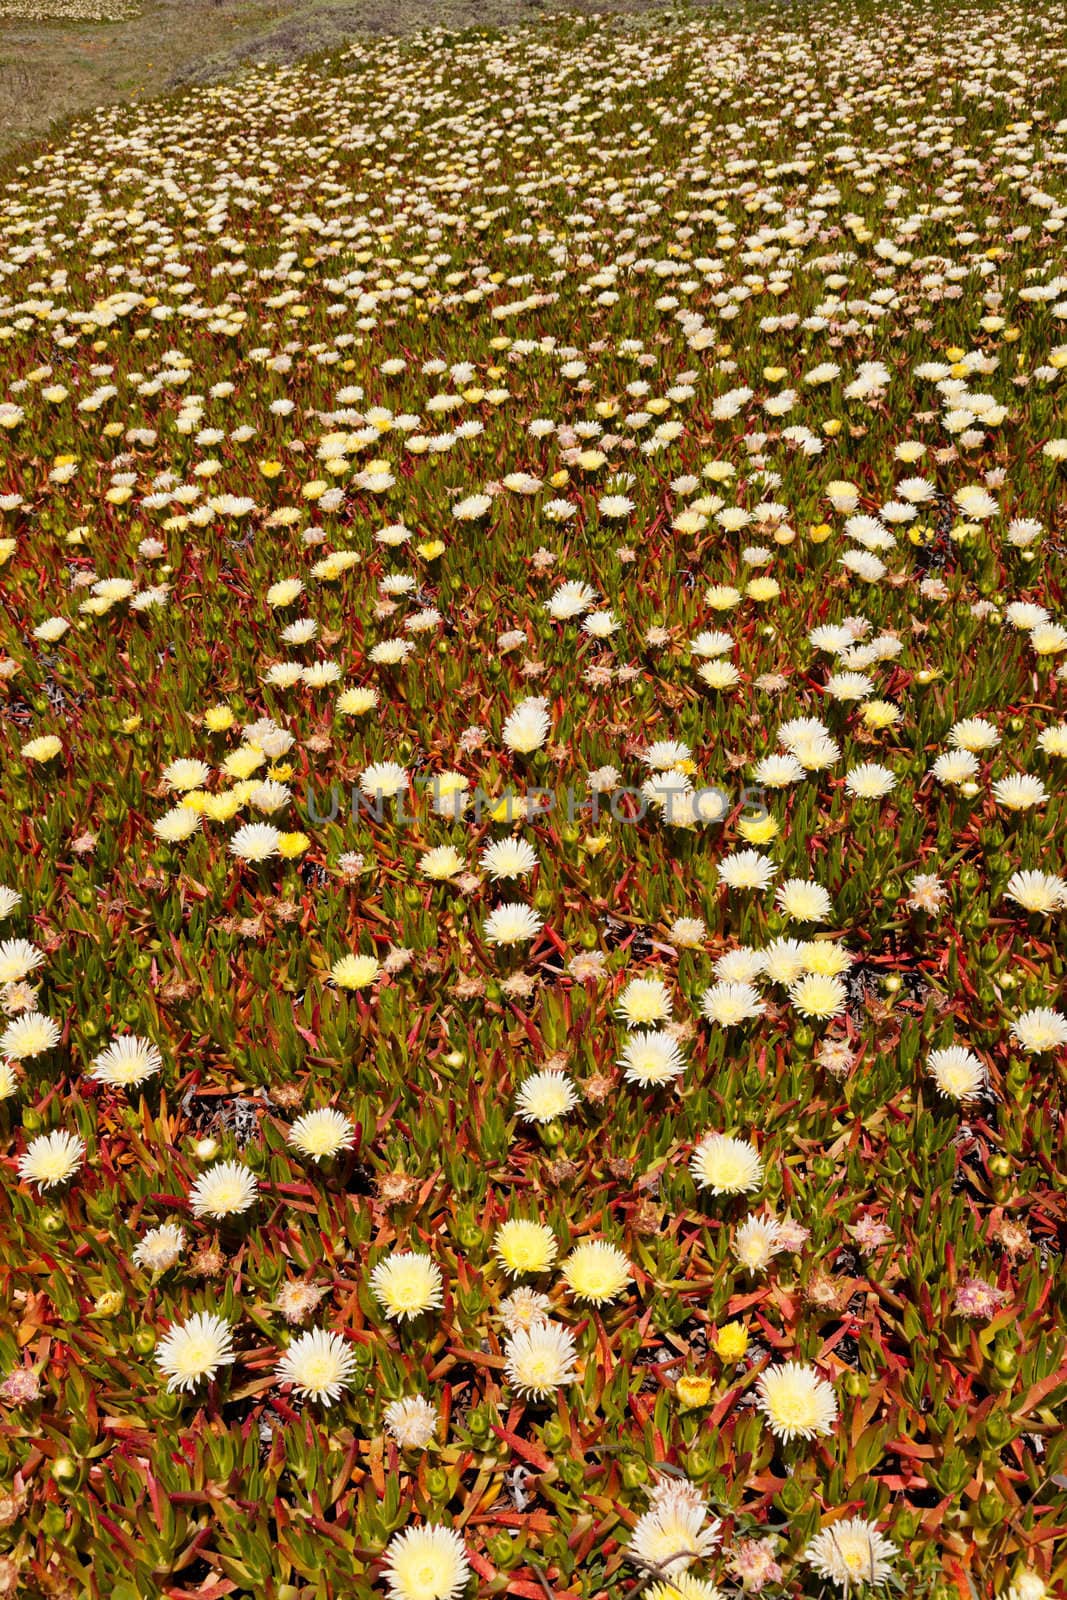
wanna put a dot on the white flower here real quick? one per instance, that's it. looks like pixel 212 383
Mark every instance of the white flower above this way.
pixel 976 502
pixel 545 1096
pixel 651 1058
pixel 818 994
pixel 849 686
pixel 1020 792
pixel 176 825
pixel 319 1365
pixel 776 772
pixel 1040 1030
pixel 407 1284
pixel 757 1241
pixel 127 1062
pixel 725 1165
pixel 973 733
pixel 411 1422
pixel 785 960
pixel 747 869
pixel 527 727
pixel 160 1248
pixel 957 1072
pixel 1041 892
pixel 383 779
pixel 427 1563
pixel 472 508
pixel 18 958
pixel 672 1534
pixel 224 1190
pixel 870 781
pixel 731 1003
pixel 186 774
pixel 665 754
pixel 509 858
pixel 28 1036
pixel 803 901
pixel 512 923
pixel 864 565
pixel 797 1402
pixel 851 1552
pixel 194 1350
pixel 320 1134
pixel 51 1159
pixel 743 965
pixel 540 1359
pixel 256 841
pixel 570 600
pixel 955 767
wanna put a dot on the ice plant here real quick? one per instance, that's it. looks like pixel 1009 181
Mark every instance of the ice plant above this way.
pixel 407 1284
pixel 533 662
pixel 540 1359
pixel 428 1563
pixel 319 1365
pixel 796 1402
pixel 192 1352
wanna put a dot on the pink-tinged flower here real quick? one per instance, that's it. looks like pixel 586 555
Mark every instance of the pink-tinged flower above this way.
pixel 792 1234
pixel 869 1234
pixel 928 893
pixel 21 1387
pixel 754 1566
pixel 976 1298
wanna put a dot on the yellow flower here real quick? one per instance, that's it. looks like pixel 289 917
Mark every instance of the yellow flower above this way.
pixel 819 533
pixel 241 763
pixel 218 719
pixel 731 1341
pixel 356 702
pixel 42 749
pixel 693 1392
pixel 758 830
pixel 222 807
pixel 291 845
pixel 596 1271
pixel 430 549
pixel 406 1284
pixel 879 714
pixel 507 809
pixel 522 1246
pixel 354 972
pixel 831 428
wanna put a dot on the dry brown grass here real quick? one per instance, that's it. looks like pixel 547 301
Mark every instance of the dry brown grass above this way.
pixel 56 66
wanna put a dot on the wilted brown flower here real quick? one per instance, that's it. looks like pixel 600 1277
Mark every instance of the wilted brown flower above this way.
pixel 397 1189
